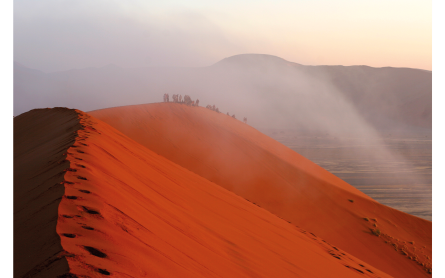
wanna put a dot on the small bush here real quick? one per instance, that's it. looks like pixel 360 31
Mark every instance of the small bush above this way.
pixel 350 200
pixel 366 218
pixel 376 232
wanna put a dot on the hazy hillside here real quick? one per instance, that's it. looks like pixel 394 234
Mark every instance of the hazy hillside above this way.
pixel 268 90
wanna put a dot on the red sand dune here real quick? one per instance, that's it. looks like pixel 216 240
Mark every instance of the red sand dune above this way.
pixel 41 137
pixel 104 205
pixel 241 159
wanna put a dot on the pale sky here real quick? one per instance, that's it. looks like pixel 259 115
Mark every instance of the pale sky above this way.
pixel 53 35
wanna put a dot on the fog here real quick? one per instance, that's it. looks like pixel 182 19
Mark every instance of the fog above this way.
pixel 98 54
pixel 62 35
pixel 268 90
pixel 53 35
pixel 354 105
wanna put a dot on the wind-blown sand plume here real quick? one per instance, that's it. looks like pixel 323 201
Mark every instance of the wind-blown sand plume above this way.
pixel 267 89
pixel 256 167
pixel 124 211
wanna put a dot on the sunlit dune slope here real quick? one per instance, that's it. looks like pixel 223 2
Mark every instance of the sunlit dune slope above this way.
pixel 239 158
pixel 121 210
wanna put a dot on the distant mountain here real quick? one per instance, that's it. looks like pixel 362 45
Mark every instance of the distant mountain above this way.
pixel 384 96
pixel 254 61
pixel 268 90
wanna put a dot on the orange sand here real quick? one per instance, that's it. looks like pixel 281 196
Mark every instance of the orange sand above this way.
pixel 241 159
pixel 128 212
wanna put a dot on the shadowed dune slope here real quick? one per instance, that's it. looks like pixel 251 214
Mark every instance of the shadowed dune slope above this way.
pixel 256 167
pixel 41 139
pixel 126 211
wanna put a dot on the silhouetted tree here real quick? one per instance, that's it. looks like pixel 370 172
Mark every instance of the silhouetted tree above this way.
pixel 187 100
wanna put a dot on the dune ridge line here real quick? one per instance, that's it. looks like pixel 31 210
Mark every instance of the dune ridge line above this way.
pixel 129 212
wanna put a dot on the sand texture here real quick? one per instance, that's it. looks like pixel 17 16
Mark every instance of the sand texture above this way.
pixel 237 157
pixel 116 208
pixel 41 140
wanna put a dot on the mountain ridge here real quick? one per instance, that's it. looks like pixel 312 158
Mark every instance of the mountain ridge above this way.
pixel 269 91
pixel 224 60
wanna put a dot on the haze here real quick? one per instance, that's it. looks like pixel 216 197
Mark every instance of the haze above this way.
pixel 334 151
pixel 95 55
pixel 61 35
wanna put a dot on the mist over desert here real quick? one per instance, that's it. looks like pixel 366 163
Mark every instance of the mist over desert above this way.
pixel 348 106
pixel 223 139
pixel 95 190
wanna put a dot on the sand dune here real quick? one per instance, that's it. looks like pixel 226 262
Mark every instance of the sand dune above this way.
pixel 41 139
pixel 91 202
pixel 241 159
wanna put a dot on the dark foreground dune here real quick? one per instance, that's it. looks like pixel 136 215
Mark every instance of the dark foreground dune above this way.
pixel 91 202
pixel 239 158
pixel 41 139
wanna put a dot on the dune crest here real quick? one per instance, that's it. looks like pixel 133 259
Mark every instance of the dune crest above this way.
pixel 121 210
pixel 241 159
